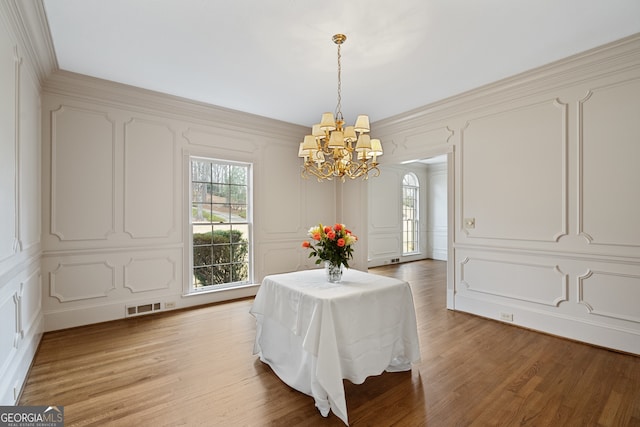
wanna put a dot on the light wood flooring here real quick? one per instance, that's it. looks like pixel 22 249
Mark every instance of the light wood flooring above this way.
pixel 195 368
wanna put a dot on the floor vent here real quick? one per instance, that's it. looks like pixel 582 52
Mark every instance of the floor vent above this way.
pixel 136 310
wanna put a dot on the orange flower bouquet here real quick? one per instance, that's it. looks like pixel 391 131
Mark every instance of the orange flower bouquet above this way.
pixel 332 245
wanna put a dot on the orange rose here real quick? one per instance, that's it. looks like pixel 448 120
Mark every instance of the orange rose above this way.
pixel 331 235
pixel 340 242
pixel 316 236
pixel 306 244
pixel 337 227
pixel 327 229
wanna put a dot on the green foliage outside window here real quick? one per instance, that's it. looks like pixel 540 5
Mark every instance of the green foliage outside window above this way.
pixel 220 257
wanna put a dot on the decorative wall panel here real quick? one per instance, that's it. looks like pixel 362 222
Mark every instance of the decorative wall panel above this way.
pixel 149 178
pixel 149 274
pixel 438 244
pixel 81 281
pixel 414 145
pixel 278 259
pixel 515 174
pixel 384 228
pixel 610 172
pixel 610 294
pixel 82 174
pixel 385 247
pixel 20 201
pixel 29 166
pixel 385 199
pixel 220 139
pixel 413 140
pixel 538 283
pixel 283 216
pixel 9 330
pixel 8 152
pixel 30 300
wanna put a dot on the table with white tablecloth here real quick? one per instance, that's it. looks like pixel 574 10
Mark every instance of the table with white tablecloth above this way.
pixel 314 333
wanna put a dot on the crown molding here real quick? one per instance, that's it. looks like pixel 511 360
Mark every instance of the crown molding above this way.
pixel 119 95
pixel 28 22
pixel 612 57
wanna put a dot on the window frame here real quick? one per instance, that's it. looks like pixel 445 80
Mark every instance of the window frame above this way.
pixel 189 285
pixel 415 189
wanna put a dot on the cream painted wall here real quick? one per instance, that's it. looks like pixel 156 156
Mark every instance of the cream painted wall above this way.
pixel 21 321
pixel 115 203
pixel 545 163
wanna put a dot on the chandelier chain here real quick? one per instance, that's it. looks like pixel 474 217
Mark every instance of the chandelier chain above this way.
pixel 338 112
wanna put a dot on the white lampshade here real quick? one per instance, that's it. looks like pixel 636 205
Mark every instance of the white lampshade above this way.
pixel 317 132
pixel 337 139
pixel 362 124
pixel 376 150
pixel 376 147
pixel 364 143
pixel 328 122
pixel 350 134
pixel 301 151
pixel 309 143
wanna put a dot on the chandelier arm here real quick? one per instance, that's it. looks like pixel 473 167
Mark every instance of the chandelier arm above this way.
pixel 374 167
pixel 310 169
pixel 358 169
pixel 326 150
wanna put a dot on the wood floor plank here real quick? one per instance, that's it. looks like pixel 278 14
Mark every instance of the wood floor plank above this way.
pixel 196 368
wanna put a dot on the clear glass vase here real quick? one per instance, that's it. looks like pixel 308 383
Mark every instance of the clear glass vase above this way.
pixel 334 272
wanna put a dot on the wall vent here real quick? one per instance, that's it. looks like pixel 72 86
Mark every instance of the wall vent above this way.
pixel 136 310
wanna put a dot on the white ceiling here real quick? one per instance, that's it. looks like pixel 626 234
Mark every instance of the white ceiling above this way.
pixel 275 58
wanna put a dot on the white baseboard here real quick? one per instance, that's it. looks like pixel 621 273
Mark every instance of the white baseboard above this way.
pixel 86 315
pixel 556 323
pixel 17 369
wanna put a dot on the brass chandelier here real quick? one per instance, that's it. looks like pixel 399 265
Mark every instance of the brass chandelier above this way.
pixel 336 151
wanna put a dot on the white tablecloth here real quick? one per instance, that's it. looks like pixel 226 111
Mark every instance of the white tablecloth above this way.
pixel 314 333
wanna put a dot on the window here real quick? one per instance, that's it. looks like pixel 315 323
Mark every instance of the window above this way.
pixel 220 224
pixel 410 214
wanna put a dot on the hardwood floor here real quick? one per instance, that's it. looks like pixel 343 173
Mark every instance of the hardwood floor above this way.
pixel 196 368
